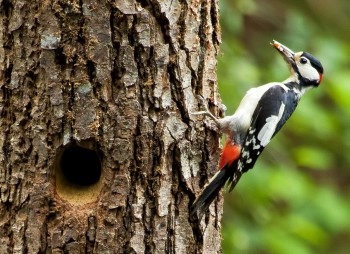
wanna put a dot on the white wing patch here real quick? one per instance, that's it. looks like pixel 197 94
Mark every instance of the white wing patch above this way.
pixel 269 128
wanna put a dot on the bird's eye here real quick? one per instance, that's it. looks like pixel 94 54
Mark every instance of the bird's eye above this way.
pixel 303 60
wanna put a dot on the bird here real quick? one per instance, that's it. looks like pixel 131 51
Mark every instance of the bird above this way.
pixel 260 115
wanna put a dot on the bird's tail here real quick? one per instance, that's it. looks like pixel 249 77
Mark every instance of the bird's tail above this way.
pixel 227 173
pixel 211 190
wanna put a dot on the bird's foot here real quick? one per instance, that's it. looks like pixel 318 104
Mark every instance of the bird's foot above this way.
pixel 206 111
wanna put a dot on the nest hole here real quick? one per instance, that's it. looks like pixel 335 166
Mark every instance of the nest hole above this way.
pixel 81 166
pixel 78 174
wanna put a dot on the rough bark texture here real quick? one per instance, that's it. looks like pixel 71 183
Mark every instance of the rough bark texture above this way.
pixel 118 79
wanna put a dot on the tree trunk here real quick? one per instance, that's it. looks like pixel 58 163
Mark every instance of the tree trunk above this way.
pixel 99 152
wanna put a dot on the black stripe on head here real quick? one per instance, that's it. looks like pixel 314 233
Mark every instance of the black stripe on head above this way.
pixel 314 62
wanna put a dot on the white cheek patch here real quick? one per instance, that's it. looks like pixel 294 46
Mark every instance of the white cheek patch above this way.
pixel 269 128
pixel 308 72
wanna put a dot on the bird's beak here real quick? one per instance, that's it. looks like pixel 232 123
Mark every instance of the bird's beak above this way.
pixel 287 54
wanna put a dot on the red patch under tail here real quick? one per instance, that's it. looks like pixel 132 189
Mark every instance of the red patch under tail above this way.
pixel 229 154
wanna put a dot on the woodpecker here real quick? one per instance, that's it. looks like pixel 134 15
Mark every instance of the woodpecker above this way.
pixel 259 116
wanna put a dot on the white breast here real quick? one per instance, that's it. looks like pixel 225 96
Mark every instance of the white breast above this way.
pixel 249 102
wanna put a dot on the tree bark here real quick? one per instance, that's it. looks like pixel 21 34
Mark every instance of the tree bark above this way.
pixel 99 152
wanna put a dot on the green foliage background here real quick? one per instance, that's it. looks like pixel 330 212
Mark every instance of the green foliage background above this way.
pixel 297 197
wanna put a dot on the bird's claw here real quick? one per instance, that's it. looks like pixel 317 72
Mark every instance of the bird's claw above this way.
pixel 203 105
pixel 206 111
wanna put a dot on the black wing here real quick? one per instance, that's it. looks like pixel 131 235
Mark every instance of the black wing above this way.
pixel 271 113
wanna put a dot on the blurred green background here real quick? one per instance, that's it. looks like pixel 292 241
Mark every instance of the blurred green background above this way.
pixel 297 197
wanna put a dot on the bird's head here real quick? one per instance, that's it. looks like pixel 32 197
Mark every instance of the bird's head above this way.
pixel 305 68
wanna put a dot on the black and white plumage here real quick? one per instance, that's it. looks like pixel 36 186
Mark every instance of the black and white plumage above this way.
pixel 261 114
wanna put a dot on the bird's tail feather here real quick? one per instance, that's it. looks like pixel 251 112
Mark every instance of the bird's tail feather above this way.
pixel 211 190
